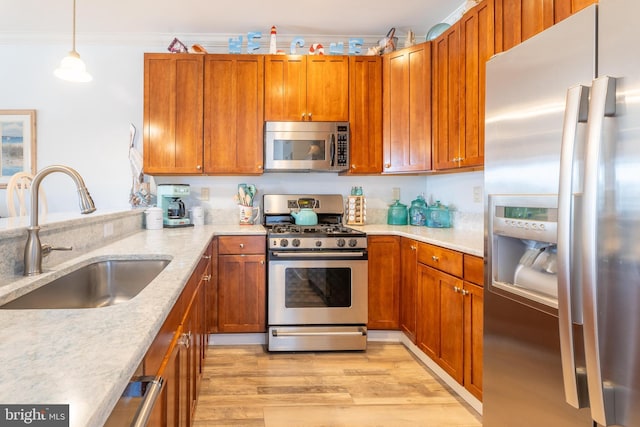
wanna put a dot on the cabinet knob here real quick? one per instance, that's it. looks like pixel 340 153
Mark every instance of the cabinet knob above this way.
pixel 413 247
pixel 262 262
pixel 456 289
pixel 387 165
pixel 435 258
pixel 353 167
pixel 303 115
pixel 206 256
pixel 465 292
pixel 259 166
pixel 241 245
pixel 309 116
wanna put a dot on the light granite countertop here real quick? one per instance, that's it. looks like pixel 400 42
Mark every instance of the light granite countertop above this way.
pixel 85 357
pixel 467 241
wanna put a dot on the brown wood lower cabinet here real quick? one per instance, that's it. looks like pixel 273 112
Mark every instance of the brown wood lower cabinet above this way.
pixel 384 282
pixel 178 352
pixel 241 284
pixel 448 292
pixel 408 287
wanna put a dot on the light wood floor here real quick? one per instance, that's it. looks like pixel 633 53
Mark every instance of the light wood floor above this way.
pixel 385 386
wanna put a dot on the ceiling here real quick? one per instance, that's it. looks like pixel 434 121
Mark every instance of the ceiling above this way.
pixel 136 17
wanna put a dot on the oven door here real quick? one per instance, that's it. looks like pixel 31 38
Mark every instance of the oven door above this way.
pixel 306 290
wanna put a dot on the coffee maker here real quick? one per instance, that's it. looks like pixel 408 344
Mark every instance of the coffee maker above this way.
pixel 174 213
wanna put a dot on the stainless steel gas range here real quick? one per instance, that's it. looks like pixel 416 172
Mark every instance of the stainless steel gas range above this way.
pixel 317 277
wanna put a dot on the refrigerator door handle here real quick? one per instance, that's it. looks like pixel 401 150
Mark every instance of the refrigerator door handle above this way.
pixel 569 296
pixel 602 104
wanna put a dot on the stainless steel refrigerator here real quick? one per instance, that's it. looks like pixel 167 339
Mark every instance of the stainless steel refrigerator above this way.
pixel 562 222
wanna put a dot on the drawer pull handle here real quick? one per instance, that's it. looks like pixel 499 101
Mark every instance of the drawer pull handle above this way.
pixel 435 258
pixel 241 245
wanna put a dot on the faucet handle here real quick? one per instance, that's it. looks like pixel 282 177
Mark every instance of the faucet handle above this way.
pixel 46 249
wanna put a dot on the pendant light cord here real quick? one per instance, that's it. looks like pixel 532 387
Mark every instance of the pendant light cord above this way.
pixel 74 26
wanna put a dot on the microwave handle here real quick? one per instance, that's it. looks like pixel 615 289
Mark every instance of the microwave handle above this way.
pixel 332 148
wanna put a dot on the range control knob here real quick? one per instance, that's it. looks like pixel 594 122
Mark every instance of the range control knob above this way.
pixel 353 243
pixel 284 243
pixel 295 242
pixel 318 243
pixel 340 243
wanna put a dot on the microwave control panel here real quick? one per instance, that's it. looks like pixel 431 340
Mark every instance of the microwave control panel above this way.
pixel 342 146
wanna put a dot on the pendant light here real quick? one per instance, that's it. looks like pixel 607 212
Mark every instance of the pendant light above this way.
pixel 72 68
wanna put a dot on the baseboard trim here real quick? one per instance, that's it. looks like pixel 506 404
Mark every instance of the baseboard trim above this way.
pixel 373 336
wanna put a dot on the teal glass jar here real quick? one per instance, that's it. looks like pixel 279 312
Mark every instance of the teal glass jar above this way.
pixel 397 214
pixel 418 212
pixel 439 216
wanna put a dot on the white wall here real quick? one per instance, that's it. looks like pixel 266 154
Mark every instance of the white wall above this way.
pixel 86 126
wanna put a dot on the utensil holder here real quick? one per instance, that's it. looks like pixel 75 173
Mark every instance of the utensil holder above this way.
pixel 356 210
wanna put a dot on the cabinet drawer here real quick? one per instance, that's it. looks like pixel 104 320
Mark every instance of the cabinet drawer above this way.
pixel 440 258
pixel 474 269
pixel 238 245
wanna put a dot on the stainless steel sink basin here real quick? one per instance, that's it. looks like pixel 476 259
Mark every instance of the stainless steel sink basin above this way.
pixel 99 284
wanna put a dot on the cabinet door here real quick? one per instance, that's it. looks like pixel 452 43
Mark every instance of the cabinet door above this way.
pixel 365 114
pixel 518 20
pixel 285 89
pixel 241 293
pixel 476 47
pixel 170 409
pixel 173 117
pixel 384 282
pixel 233 114
pixel 428 313
pixel 327 88
pixel 408 287
pixel 565 8
pixel 446 101
pixel 211 289
pixel 473 329
pixel 451 325
pixel 406 114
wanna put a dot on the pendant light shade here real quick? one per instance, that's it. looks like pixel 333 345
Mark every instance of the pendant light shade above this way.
pixel 72 68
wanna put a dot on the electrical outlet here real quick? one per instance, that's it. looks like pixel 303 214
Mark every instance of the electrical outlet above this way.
pixel 108 229
pixel 204 193
pixel 477 194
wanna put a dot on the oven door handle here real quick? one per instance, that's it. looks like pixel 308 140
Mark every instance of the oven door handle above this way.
pixel 275 333
pixel 319 254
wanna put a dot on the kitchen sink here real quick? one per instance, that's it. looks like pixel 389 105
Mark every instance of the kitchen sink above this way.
pixel 99 284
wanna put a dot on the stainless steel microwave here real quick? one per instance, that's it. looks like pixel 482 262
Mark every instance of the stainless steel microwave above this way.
pixel 306 146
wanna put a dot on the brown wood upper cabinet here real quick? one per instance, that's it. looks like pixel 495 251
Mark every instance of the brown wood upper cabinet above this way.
pixel 203 114
pixel 459 59
pixel 519 20
pixel 365 114
pixel 565 8
pixel 306 88
pixel 406 110
pixel 233 114
pixel 173 118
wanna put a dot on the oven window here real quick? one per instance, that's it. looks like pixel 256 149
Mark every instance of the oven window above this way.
pixel 317 287
pixel 299 149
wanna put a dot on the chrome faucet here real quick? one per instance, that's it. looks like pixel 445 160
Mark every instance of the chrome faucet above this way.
pixel 34 250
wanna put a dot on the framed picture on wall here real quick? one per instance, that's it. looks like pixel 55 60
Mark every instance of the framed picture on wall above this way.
pixel 18 143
